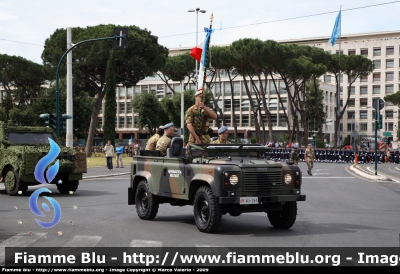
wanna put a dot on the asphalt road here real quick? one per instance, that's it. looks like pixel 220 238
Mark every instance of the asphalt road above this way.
pixel 341 210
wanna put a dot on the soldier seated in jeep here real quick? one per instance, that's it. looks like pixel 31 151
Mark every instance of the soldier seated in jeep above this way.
pixel 215 179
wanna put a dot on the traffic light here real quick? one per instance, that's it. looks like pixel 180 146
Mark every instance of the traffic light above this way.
pixel 63 121
pixel 50 120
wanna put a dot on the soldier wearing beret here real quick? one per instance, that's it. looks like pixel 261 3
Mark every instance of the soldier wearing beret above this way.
pixel 165 141
pixel 223 135
pixel 194 121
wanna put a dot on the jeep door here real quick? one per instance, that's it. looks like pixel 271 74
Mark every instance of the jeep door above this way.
pixel 172 177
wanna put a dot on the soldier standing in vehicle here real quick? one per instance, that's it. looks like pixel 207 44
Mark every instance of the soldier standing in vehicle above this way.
pixel 223 136
pixel 309 157
pixel 152 142
pixel 294 156
pixel 165 141
pixel 194 121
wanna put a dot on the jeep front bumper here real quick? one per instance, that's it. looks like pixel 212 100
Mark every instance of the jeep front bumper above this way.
pixel 264 199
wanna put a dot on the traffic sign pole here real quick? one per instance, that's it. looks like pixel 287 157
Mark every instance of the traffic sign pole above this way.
pixel 377 104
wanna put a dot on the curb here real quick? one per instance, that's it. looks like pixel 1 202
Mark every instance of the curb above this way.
pixel 362 173
pixel 108 175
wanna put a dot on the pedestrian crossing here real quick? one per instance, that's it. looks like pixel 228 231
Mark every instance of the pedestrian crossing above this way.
pixel 27 240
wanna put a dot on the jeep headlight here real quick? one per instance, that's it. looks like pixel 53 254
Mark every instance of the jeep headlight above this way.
pixel 288 178
pixel 233 179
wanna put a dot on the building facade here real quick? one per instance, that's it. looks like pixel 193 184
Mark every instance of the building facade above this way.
pixel 382 48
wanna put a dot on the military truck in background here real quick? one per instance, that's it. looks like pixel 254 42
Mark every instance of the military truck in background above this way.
pixel 22 147
pixel 215 180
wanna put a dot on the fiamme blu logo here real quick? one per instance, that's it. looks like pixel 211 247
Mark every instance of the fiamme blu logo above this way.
pixel 45 177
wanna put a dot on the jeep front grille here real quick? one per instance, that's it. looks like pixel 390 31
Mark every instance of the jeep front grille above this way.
pixel 262 180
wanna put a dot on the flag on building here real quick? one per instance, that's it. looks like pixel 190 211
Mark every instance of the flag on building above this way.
pixel 336 30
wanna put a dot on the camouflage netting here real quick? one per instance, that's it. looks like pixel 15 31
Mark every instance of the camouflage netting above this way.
pixel 80 162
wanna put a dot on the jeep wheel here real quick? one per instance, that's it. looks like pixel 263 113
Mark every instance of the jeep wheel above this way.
pixel 207 211
pixel 12 182
pixel 65 188
pixel 146 202
pixel 284 219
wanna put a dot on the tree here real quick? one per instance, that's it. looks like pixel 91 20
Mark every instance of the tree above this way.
pixel 110 109
pixel 142 58
pixel 353 66
pixel 393 98
pixel 314 106
pixel 151 113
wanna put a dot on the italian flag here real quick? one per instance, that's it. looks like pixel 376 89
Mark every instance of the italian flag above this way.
pixel 197 51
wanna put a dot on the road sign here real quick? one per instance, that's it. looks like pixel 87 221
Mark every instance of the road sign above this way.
pixel 378 104
pixel 121 43
pixel 387 133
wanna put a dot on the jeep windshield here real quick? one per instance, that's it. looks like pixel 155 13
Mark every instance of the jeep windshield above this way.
pixel 221 150
pixel 30 138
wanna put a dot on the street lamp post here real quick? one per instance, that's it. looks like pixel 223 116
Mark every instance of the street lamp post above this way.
pixel 197 10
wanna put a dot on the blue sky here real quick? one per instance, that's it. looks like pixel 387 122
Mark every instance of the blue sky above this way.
pixel 30 23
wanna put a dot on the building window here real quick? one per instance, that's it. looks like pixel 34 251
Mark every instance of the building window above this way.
pixel 377 64
pixel 389 127
pixel 351 52
pixel 352 78
pixel 136 121
pixel 376 89
pixel 236 104
pixel 121 122
pixel 341 90
pixel 145 89
pixel 364 78
pixel 363 90
pixel 389 89
pixel 122 93
pixel 337 51
pixel 390 63
pixel 122 108
pixel 282 87
pixel 273 104
pixel 350 127
pixel 389 114
pixel 353 90
pixel 389 76
pixel 217 89
pixel 363 102
pixel 274 120
pixel 350 114
pixel 272 89
pixel 227 105
pixel 363 114
pixel 137 90
pixel 153 89
pixel 236 89
pixel 327 78
pixel 129 122
pixel 282 121
pixel 227 87
pixel 363 126
pixel 129 94
pixel 245 120
pixel 237 117
pixel 245 105
pixel 227 120
pixel 284 103
pixel 351 103
pixel 376 76
pixel 389 50
pixel 364 52
pixel 377 51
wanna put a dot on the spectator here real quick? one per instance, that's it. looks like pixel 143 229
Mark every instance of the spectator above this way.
pixel 119 151
pixel 109 150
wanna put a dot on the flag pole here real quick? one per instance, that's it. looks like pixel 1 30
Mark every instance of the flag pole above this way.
pixel 340 73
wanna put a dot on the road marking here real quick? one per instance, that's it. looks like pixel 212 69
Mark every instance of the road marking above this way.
pixel 19 240
pixel 83 241
pixel 143 243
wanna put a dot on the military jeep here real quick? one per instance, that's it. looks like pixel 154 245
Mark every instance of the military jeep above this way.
pixel 216 180
pixel 22 147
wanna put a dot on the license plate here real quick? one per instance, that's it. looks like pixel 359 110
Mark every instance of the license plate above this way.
pixel 248 200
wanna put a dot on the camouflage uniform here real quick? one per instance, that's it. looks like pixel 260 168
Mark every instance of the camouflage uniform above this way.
pixel 194 116
pixel 218 141
pixel 294 156
pixel 310 156
pixel 152 142
pixel 163 143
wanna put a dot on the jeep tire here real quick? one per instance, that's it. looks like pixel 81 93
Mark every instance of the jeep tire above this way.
pixel 69 186
pixel 207 211
pixel 146 203
pixel 12 182
pixel 284 219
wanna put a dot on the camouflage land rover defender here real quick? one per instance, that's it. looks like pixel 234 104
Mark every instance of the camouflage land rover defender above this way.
pixel 215 180
pixel 21 148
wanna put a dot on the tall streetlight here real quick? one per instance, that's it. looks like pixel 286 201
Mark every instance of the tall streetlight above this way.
pixel 352 121
pixel 197 10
